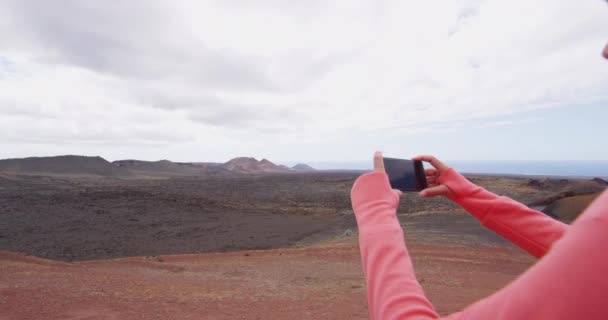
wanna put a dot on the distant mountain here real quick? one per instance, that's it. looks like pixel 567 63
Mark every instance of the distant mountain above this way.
pixel 303 167
pixel 251 165
pixel 160 168
pixel 600 181
pixel 97 166
pixel 60 165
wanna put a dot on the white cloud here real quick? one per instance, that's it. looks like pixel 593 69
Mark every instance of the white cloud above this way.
pixel 259 76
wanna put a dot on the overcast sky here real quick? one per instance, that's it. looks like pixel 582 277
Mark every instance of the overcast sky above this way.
pixel 304 80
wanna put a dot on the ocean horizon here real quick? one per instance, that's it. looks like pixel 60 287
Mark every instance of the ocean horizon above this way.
pixel 570 168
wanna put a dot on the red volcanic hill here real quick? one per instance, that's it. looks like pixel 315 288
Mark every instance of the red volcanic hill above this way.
pixel 251 165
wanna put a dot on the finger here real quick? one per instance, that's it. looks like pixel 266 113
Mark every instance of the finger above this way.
pixel 433 161
pixel 430 171
pixel 378 162
pixel 431 180
pixel 440 190
pixel 398 192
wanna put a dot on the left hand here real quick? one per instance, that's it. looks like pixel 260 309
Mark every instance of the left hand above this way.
pixel 379 167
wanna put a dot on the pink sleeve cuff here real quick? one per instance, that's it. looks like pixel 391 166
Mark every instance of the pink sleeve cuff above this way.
pixel 457 183
pixel 371 187
pixel 374 202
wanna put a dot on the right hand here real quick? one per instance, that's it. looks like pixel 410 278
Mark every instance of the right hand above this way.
pixel 432 178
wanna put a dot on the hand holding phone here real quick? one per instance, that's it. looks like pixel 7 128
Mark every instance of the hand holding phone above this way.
pixel 432 177
pixel 405 175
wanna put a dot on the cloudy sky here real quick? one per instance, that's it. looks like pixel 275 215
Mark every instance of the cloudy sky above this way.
pixel 304 80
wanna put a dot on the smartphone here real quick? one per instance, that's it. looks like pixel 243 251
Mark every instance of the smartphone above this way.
pixel 405 175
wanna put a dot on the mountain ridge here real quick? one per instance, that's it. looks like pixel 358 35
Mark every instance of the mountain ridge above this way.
pixel 78 165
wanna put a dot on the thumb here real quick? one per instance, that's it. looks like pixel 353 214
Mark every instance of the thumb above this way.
pixel 440 190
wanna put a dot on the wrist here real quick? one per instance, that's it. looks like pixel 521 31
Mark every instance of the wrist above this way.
pixel 372 195
pixel 457 183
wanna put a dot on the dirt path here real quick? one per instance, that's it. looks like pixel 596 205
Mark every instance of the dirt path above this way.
pixel 321 282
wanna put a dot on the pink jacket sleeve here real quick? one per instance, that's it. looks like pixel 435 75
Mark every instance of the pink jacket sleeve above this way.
pixel 531 230
pixel 392 289
pixel 567 283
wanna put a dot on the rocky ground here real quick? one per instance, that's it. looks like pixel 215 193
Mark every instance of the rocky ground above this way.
pixel 83 219
pixel 189 243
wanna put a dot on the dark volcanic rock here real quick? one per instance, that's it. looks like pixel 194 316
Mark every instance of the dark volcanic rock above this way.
pixel 535 183
pixel 97 218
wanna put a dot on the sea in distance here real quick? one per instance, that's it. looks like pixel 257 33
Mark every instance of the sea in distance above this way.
pixel 574 168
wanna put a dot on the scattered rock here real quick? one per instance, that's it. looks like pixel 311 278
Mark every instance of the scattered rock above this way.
pixel 346 212
pixel 535 183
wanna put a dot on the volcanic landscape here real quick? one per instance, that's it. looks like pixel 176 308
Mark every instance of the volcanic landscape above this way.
pixel 84 238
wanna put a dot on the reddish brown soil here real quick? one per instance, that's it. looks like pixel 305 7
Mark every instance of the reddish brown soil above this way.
pixel 321 282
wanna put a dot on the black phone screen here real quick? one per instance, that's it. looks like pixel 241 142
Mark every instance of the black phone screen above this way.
pixel 405 175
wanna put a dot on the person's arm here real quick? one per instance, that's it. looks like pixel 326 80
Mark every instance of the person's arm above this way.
pixel 529 229
pixel 392 289
pixel 568 283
